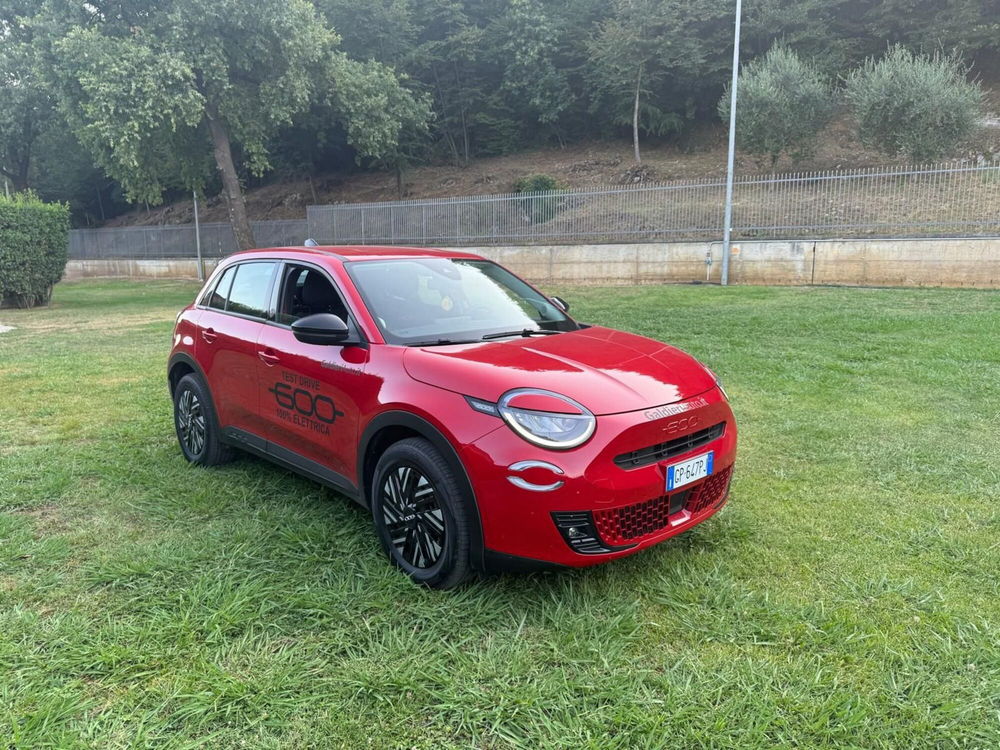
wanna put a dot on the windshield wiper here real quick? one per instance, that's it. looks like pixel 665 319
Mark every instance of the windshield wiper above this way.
pixel 443 342
pixel 523 332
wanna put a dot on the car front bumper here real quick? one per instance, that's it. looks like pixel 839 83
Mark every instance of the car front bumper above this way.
pixel 607 498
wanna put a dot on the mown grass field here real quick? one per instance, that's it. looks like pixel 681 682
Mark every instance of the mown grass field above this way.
pixel 847 597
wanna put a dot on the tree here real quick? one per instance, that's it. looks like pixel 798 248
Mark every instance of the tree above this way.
pixel 783 104
pixel 149 86
pixel 25 105
pixel 643 54
pixel 526 43
pixel 922 106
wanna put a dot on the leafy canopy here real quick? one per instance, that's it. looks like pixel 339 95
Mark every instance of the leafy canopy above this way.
pixel 783 104
pixel 919 105
pixel 137 80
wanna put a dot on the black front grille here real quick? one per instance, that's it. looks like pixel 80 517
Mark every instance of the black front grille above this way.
pixel 671 448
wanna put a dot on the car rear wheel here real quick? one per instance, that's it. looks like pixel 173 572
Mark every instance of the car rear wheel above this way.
pixel 196 425
pixel 420 515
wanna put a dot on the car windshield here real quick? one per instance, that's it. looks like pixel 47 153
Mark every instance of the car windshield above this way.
pixel 451 300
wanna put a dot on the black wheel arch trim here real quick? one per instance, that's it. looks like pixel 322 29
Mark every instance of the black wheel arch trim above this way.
pixel 447 450
pixel 187 359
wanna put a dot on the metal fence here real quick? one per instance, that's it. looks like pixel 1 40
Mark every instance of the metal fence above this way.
pixel 930 201
pixel 177 240
pixel 939 200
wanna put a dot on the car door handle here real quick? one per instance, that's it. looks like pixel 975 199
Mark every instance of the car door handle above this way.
pixel 269 359
pixel 209 335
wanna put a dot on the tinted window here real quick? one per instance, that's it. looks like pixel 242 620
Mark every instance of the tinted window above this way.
pixel 306 291
pixel 249 293
pixel 221 294
pixel 426 298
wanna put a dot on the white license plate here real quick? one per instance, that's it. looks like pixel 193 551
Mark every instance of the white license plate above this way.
pixel 689 471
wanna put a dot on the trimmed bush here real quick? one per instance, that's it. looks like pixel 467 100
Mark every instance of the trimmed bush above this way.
pixel 917 105
pixel 537 183
pixel 783 105
pixel 540 208
pixel 34 239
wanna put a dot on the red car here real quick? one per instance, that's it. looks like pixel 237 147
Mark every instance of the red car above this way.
pixel 478 422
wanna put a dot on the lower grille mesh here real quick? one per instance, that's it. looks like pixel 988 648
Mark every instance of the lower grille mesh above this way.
pixel 621 525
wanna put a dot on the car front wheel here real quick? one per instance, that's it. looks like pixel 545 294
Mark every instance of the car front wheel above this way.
pixel 420 514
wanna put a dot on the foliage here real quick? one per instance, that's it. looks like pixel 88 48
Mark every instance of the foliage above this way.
pixel 25 105
pixel 34 238
pixel 139 89
pixel 918 105
pixel 318 85
pixel 543 200
pixel 150 88
pixel 537 183
pixel 646 57
pixel 783 105
pixel 527 41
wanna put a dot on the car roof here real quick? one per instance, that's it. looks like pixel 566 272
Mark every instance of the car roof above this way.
pixel 359 252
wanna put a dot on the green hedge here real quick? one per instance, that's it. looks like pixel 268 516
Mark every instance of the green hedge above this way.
pixel 34 239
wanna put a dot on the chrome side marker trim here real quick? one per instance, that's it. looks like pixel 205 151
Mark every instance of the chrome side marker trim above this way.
pixel 523 465
pixel 518 482
pixel 526 485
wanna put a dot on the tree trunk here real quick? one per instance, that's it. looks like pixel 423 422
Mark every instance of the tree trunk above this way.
pixel 635 117
pixel 237 206
pixel 18 176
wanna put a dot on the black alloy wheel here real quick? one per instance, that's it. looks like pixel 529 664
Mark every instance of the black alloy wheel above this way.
pixel 191 423
pixel 420 514
pixel 413 517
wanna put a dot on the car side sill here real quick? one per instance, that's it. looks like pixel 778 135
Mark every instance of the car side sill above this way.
pixel 287 459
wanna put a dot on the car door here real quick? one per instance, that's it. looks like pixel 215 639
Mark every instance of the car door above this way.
pixel 309 392
pixel 226 345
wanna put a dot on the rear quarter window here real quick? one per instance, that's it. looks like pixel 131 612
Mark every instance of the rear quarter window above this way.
pixel 220 294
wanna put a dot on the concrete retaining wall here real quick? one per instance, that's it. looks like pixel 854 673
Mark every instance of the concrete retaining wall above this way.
pixel 913 262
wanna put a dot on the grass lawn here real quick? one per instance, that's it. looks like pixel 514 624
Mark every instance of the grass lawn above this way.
pixel 847 597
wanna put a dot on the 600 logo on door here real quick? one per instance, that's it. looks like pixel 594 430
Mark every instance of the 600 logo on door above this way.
pixel 304 408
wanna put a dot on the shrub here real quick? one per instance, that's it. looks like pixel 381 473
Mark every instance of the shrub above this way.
pixel 544 207
pixel 537 183
pixel 34 237
pixel 783 104
pixel 916 105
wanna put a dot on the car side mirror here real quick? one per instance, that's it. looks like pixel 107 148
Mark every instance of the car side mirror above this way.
pixel 321 328
pixel 560 303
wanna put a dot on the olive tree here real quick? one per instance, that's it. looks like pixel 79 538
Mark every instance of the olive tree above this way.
pixel 919 105
pixel 783 105
pixel 151 88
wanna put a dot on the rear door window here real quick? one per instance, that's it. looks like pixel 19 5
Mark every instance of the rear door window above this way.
pixel 251 290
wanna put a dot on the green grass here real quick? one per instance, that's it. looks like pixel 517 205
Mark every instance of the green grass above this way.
pixel 847 597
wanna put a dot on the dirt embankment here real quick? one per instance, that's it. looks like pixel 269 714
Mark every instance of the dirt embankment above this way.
pixel 578 166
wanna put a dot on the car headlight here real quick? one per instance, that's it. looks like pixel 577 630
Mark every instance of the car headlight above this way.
pixel 718 382
pixel 547 419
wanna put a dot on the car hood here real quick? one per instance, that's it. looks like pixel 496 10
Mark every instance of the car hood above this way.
pixel 608 371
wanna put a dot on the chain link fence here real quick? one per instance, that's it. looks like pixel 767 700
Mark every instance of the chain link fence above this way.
pixel 177 240
pixel 944 200
pixel 941 200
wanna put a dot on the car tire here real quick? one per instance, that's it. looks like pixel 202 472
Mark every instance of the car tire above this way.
pixel 420 514
pixel 196 425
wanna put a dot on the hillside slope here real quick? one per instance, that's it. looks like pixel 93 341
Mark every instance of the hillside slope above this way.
pixel 576 166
